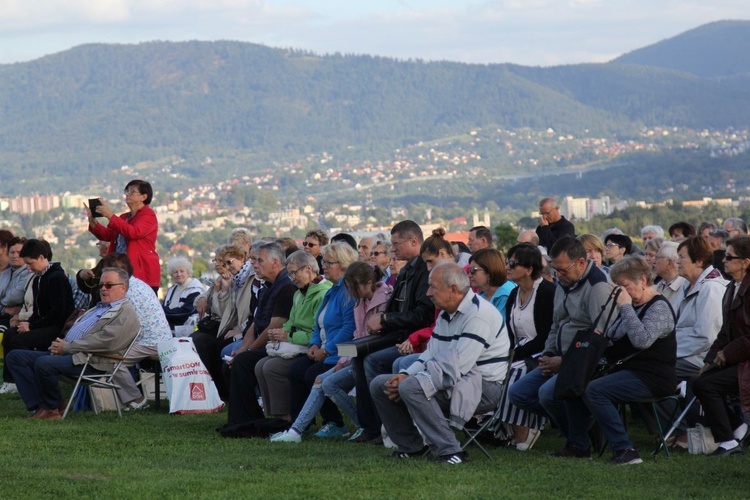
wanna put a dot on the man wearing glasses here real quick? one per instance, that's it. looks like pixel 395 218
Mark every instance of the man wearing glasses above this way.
pixel 552 225
pixel 582 291
pixel 735 227
pixel 107 328
pixel 408 310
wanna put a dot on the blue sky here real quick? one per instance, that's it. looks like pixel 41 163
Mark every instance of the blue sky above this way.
pixel 529 32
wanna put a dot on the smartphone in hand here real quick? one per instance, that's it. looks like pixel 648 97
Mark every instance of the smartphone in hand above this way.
pixel 93 203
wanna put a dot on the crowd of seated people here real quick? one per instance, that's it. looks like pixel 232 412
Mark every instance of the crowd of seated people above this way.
pixel 269 323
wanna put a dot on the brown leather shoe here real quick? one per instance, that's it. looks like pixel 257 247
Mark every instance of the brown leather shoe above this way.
pixel 44 414
pixel 53 415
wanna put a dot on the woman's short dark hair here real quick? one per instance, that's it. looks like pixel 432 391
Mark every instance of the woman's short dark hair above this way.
pixel 143 187
pixel 436 242
pixel 16 240
pixel 741 246
pixel 34 248
pixel 492 262
pixel 528 255
pixel 621 241
pixel 5 237
pixel 118 260
pixel 686 229
pixel 344 238
pixel 698 249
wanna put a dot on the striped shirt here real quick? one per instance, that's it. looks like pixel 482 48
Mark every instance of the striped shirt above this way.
pixel 477 331
pixel 88 320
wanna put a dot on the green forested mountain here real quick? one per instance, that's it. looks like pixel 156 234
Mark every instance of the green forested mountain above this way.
pixel 714 50
pixel 81 113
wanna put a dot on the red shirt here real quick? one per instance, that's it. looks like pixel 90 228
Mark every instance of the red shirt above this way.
pixel 139 232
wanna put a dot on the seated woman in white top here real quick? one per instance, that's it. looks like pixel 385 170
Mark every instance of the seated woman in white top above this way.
pixel 179 302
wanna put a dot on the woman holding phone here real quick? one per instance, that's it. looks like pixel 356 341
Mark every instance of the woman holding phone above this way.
pixel 133 233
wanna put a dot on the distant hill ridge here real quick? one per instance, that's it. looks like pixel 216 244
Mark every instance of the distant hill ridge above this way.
pixel 714 50
pixel 68 116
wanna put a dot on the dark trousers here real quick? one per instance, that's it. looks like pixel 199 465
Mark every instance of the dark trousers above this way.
pixel 712 389
pixel 302 375
pixel 367 414
pixel 35 340
pixel 37 373
pixel 209 349
pixel 243 403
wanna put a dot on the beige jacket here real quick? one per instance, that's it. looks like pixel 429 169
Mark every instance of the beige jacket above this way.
pixel 112 334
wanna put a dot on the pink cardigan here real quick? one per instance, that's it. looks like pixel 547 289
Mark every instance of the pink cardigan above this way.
pixel 366 309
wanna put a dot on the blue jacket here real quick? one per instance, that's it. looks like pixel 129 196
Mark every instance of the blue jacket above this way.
pixel 338 320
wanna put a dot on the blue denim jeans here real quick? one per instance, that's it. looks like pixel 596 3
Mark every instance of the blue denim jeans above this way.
pixel 404 362
pixel 337 386
pixel 600 400
pixel 380 362
pixel 227 351
pixel 312 405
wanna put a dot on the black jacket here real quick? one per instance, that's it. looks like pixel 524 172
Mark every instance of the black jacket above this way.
pixel 409 308
pixel 53 299
pixel 543 307
pixel 550 233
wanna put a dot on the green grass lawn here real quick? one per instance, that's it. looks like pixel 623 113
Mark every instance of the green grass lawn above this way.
pixel 154 454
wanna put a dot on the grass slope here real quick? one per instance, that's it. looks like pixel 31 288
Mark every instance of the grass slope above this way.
pixel 153 454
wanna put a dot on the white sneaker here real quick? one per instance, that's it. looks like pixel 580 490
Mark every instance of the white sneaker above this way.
pixel 286 437
pixel 133 406
pixel 8 388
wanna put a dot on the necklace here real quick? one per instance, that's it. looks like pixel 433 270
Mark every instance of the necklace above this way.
pixel 521 302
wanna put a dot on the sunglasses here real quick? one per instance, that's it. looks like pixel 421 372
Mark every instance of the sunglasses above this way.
pixel 109 286
pixel 473 270
pixel 308 244
pixel 376 253
pixel 512 264
pixel 730 258
pixel 228 263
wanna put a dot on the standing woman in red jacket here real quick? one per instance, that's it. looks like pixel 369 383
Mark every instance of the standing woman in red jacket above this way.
pixel 133 233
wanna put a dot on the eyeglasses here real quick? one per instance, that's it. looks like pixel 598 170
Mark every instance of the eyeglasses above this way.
pixel 131 191
pixel 512 264
pixel 109 286
pixel 473 270
pixel 729 258
pixel 309 244
pixel 294 273
pixel 611 245
pixel 562 271
pixel 228 262
pixel 329 263
pixel 376 253
pixel 395 244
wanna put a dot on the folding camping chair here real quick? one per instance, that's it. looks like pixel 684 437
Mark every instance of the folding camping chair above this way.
pixel 103 380
pixel 488 423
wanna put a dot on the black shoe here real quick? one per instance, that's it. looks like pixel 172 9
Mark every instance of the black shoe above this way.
pixel 406 454
pixel 454 458
pixel 571 451
pixel 628 456
pixel 724 452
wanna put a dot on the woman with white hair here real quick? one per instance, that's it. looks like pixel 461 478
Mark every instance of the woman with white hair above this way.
pixel 179 303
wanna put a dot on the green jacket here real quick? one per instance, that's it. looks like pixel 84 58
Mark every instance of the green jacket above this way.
pixel 302 317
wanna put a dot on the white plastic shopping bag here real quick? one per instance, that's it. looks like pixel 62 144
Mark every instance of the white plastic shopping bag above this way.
pixel 189 386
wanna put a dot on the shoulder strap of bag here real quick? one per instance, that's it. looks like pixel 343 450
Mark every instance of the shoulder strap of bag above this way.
pixel 613 299
pixel 641 314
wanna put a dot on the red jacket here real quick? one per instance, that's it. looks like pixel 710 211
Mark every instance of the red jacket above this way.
pixel 140 235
